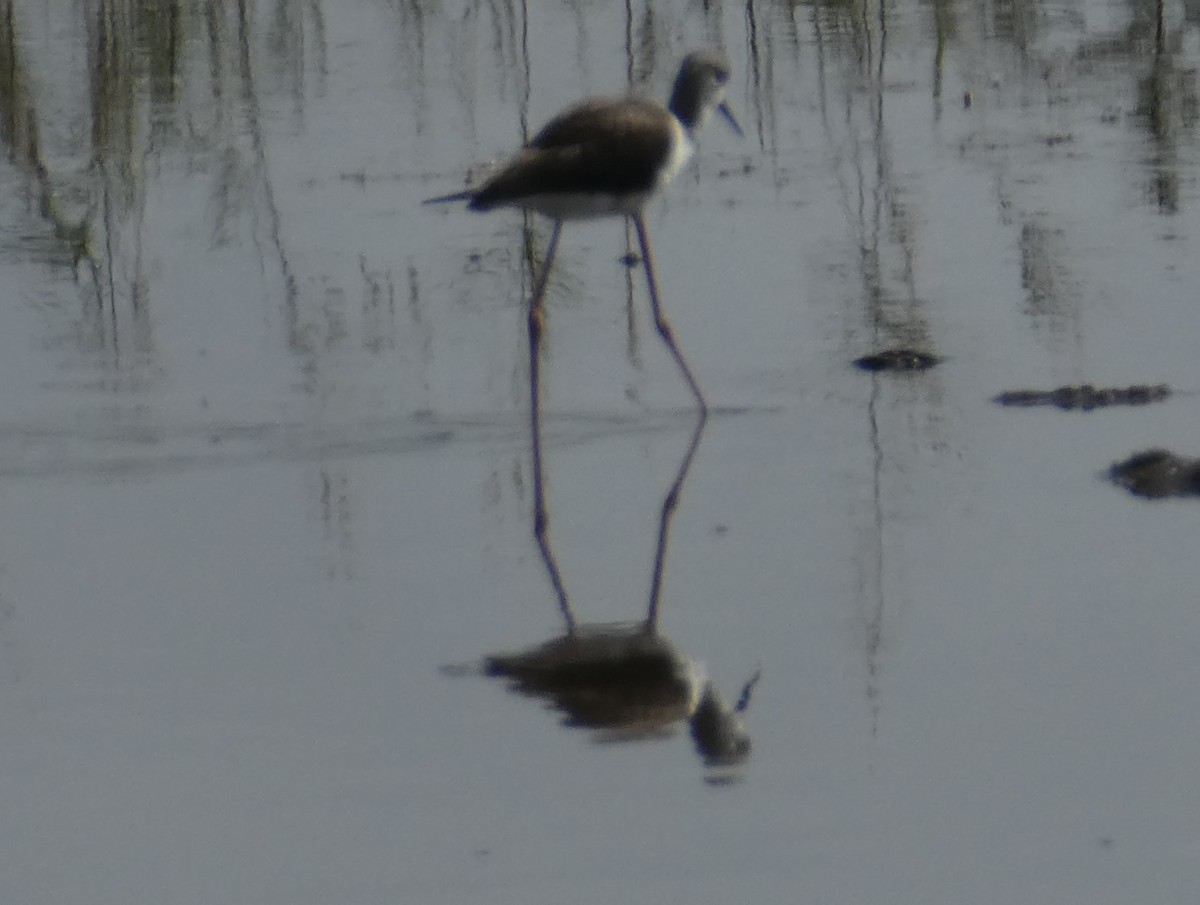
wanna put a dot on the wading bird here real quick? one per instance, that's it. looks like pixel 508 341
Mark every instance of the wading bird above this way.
pixel 608 157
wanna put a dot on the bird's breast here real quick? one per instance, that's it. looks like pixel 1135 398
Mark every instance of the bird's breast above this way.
pixel 681 150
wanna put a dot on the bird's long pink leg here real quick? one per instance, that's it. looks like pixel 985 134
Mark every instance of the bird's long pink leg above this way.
pixel 660 319
pixel 671 501
pixel 541 517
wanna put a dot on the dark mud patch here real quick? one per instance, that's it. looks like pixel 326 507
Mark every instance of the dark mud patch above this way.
pixel 1085 397
pixel 897 360
pixel 1157 474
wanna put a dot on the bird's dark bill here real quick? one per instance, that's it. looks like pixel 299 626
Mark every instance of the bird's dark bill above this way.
pixel 723 109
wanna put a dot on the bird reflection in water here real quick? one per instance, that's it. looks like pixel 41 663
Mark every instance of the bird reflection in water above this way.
pixel 626 681
pixel 630 683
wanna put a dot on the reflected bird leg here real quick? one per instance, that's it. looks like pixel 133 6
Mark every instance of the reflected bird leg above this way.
pixel 670 504
pixel 541 518
pixel 660 319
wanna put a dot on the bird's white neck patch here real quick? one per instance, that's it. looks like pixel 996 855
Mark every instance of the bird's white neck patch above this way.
pixel 682 149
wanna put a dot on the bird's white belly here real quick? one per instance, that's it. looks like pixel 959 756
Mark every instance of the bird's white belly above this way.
pixel 585 205
pixel 682 149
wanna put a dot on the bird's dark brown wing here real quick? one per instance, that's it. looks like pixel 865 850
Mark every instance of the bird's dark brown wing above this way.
pixel 598 116
pixel 610 146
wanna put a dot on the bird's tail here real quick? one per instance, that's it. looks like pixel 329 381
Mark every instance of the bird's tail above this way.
pixel 454 196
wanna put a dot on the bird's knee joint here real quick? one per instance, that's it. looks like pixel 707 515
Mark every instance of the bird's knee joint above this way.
pixel 537 322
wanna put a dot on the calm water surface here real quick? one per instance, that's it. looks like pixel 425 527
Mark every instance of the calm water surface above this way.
pixel 264 456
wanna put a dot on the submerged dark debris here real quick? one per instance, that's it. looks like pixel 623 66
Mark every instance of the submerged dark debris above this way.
pixel 1157 474
pixel 897 360
pixel 1085 397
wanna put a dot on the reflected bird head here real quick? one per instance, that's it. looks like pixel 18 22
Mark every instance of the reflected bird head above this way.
pixel 700 89
pixel 717 729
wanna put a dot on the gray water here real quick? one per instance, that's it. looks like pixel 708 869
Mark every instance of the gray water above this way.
pixel 265 464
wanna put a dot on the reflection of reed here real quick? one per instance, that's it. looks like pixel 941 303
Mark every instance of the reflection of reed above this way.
pixel 1167 98
pixel 266 188
pixel 1043 275
pixel 883 236
pixel 126 42
pixel 162 27
pixel 945 27
pixel 334 498
pixel 117 161
pixel 20 137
